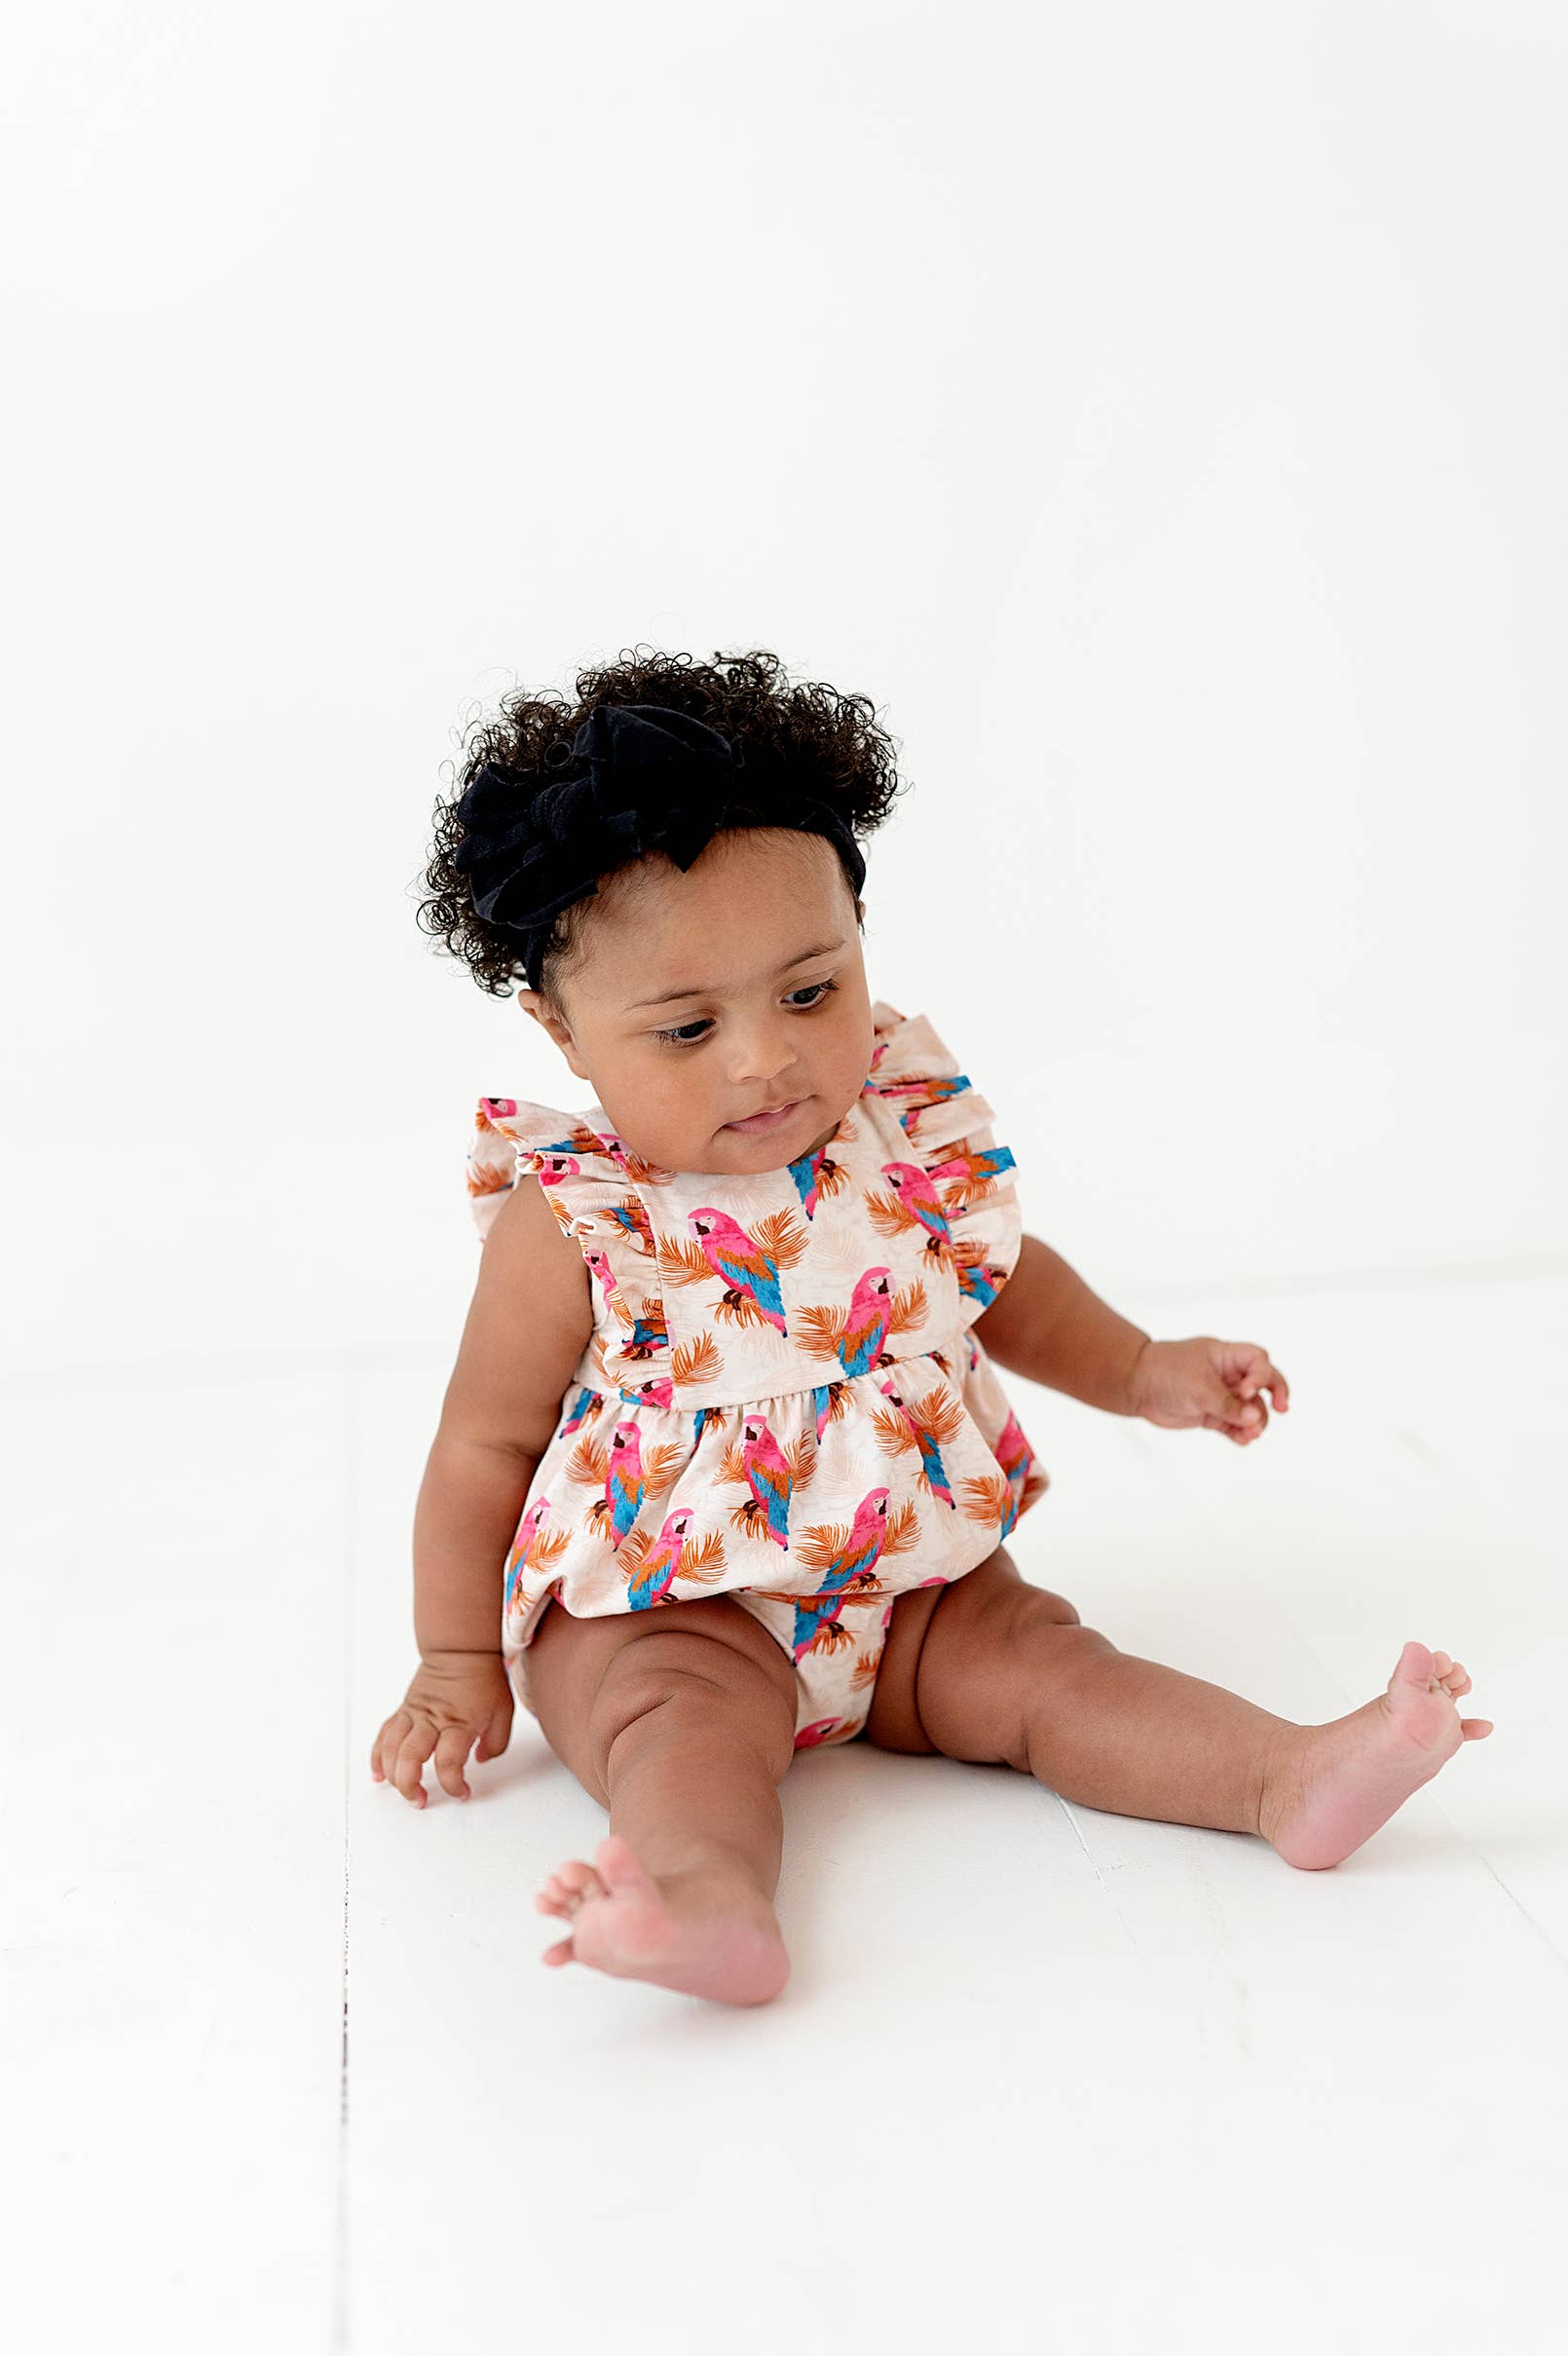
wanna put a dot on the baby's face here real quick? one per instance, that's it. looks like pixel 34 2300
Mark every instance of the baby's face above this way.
pixel 705 996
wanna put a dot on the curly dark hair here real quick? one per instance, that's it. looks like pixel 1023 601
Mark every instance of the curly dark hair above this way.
pixel 832 742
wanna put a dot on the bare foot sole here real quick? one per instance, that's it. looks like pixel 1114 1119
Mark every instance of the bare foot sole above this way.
pixel 1333 1785
pixel 704 1940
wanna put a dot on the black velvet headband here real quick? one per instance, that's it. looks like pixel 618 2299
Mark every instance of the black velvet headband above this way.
pixel 639 777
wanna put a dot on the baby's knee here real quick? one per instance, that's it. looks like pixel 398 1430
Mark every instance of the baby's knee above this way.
pixel 1057 1608
pixel 699 1681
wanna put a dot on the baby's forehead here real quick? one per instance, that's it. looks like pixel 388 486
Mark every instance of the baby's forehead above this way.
pixel 752 898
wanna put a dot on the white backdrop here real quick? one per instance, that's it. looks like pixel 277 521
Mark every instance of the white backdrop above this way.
pixel 1156 410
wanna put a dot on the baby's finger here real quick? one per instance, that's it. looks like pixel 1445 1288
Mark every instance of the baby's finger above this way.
pixel 387 1742
pixel 451 1751
pixel 408 1771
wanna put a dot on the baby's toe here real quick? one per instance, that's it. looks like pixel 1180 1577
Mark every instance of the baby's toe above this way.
pixel 1458 1680
pixel 575 1875
pixel 1441 1665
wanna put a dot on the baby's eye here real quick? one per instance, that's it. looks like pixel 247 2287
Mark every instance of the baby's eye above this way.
pixel 813 992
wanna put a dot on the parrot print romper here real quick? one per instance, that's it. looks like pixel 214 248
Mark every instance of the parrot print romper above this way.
pixel 781 1400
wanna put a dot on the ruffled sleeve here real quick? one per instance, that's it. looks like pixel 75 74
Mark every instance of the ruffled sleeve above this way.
pixel 948 1126
pixel 584 1174
pixel 592 1187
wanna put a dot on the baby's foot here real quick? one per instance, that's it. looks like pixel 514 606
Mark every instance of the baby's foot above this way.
pixel 703 1938
pixel 1332 1786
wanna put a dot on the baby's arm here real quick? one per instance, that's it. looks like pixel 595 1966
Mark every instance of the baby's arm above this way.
pixel 527 1328
pixel 1046 1324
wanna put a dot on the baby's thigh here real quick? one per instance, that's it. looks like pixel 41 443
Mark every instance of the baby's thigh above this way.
pixel 588 1679
pixel 952 1671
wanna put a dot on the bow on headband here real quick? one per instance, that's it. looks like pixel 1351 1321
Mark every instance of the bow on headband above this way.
pixel 642 778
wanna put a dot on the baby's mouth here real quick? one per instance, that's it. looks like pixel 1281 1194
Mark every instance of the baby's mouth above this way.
pixel 770 1118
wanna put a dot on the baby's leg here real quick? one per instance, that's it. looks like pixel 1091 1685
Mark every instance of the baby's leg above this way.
pixel 681 1721
pixel 991 1668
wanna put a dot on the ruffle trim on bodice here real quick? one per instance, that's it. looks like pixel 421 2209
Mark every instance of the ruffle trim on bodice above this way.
pixel 932 1147
pixel 969 1183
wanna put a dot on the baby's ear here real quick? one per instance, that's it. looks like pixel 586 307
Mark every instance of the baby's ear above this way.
pixel 545 1015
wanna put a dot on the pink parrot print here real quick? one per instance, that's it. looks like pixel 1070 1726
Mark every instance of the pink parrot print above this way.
pixel 850 1565
pixel 522 1544
pixel 748 1271
pixel 969 1175
pixel 860 1345
pixel 1016 1460
pixel 925 1441
pixel 919 1198
pixel 600 1268
pixel 769 1475
pixel 662 1563
pixel 625 1480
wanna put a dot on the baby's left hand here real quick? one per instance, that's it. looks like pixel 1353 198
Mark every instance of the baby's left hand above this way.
pixel 1204 1381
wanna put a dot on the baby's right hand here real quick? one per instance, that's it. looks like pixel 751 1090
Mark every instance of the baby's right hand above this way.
pixel 453 1697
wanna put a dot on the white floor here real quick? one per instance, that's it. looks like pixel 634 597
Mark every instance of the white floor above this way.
pixel 284 2071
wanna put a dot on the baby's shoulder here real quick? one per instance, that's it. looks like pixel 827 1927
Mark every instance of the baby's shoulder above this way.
pixel 530 1321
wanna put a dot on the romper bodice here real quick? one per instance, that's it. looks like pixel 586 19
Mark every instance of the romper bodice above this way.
pixel 780 1361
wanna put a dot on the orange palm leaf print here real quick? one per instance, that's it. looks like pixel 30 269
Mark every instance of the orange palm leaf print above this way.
pixel 800 1455
pixel 549 1545
pixel 893 1430
pixel 820 1547
pixel 630 1552
pixel 890 1215
pixel 864 1670
pixel 939 1414
pixel 819 1329
pixel 661 1464
pixel 988 1497
pixel 901 1530
pixel 782 1238
pixel 907 1308
pixel 588 1461
pixel 698 1361
pixel 702 1559
pixel 682 1261
pixel 487 1180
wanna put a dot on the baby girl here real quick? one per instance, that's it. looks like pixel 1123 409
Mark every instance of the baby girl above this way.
pixel 724 1468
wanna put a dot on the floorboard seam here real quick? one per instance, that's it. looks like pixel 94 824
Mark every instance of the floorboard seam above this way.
pixel 351 1523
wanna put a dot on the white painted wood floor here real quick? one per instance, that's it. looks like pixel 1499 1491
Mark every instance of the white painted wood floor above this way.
pixel 283 2071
